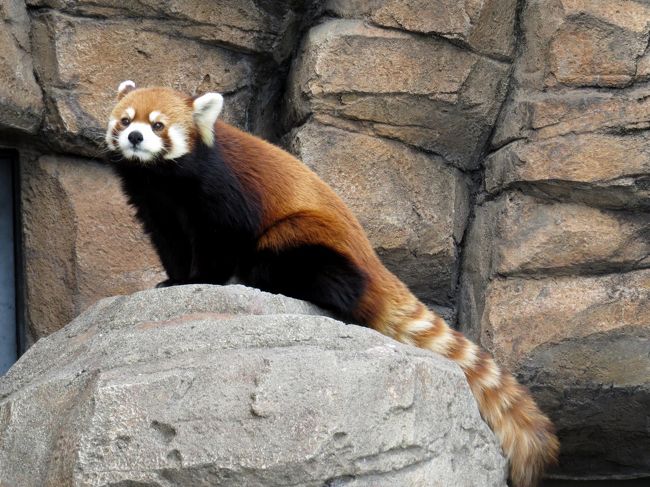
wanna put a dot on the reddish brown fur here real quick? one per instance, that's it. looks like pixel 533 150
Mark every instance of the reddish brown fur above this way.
pixel 432 333
pixel 299 208
pixel 173 105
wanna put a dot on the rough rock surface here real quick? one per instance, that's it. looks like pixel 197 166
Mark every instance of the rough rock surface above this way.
pixel 416 231
pixel 252 25
pixel 497 152
pixel 605 170
pixel 77 231
pixel 21 103
pixel 556 263
pixel 486 26
pixel 518 314
pixel 81 93
pixel 517 235
pixel 600 384
pixel 199 385
pixel 564 135
pixel 433 94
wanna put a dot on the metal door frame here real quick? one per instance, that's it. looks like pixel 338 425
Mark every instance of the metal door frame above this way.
pixel 16 251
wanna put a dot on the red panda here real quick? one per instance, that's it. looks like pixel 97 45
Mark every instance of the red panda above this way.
pixel 218 202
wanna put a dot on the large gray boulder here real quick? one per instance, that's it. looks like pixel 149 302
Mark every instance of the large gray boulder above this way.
pixel 209 385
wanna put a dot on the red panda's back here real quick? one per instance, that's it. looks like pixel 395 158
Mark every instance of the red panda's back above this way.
pixel 284 184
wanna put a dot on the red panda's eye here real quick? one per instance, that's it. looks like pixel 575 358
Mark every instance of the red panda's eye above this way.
pixel 125 121
pixel 158 126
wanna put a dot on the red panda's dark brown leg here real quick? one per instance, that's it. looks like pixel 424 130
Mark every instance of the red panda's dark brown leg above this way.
pixel 296 257
pixel 213 260
pixel 313 273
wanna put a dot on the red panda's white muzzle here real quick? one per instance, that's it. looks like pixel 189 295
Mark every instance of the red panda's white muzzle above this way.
pixel 138 141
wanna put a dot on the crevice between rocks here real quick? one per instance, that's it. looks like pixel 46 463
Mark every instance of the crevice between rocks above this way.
pixel 478 194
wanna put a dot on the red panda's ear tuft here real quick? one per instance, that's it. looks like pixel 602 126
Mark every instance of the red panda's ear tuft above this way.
pixel 205 110
pixel 124 88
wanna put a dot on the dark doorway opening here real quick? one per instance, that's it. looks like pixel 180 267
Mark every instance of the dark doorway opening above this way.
pixel 10 336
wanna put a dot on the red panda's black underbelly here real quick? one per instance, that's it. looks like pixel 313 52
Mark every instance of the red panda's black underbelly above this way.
pixel 205 228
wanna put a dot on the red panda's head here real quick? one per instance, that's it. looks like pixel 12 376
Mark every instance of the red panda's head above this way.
pixel 153 123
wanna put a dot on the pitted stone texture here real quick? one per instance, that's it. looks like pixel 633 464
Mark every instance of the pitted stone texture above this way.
pixel 432 94
pixel 21 103
pixel 82 242
pixel 416 229
pixel 598 43
pixel 580 105
pixel 487 26
pixel 521 235
pixel 580 43
pixel 208 385
pixel 514 316
pixel 533 265
pixel 556 261
pixel 81 62
pixel 576 112
pixel 598 169
pixel 580 343
pixel 254 25
pixel 600 387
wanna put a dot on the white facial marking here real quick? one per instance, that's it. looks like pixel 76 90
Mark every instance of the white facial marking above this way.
pixel 124 84
pixel 179 143
pixel 147 149
pixel 206 110
pixel 110 139
pixel 130 112
pixel 153 116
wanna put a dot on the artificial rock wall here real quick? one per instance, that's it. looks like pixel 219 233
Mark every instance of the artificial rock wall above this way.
pixel 496 151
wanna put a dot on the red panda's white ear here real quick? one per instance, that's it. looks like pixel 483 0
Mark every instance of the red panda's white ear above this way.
pixel 124 88
pixel 206 110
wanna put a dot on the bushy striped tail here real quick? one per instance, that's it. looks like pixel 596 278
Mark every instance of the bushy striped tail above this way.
pixel 527 436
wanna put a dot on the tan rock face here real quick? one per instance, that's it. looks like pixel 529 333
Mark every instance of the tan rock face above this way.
pixel 82 61
pixel 431 94
pixel 247 24
pixel 530 236
pixel 581 344
pixel 523 314
pixel 485 25
pixel 573 113
pixel 599 387
pixel 581 43
pixel 522 245
pixel 555 277
pixel 605 170
pixel 21 103
pixel 584 158
pixel 578 44
pixel 591 55
pixel 82 242
pixel 416 229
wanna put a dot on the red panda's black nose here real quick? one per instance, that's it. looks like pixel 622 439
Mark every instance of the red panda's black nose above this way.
pixel 135 137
